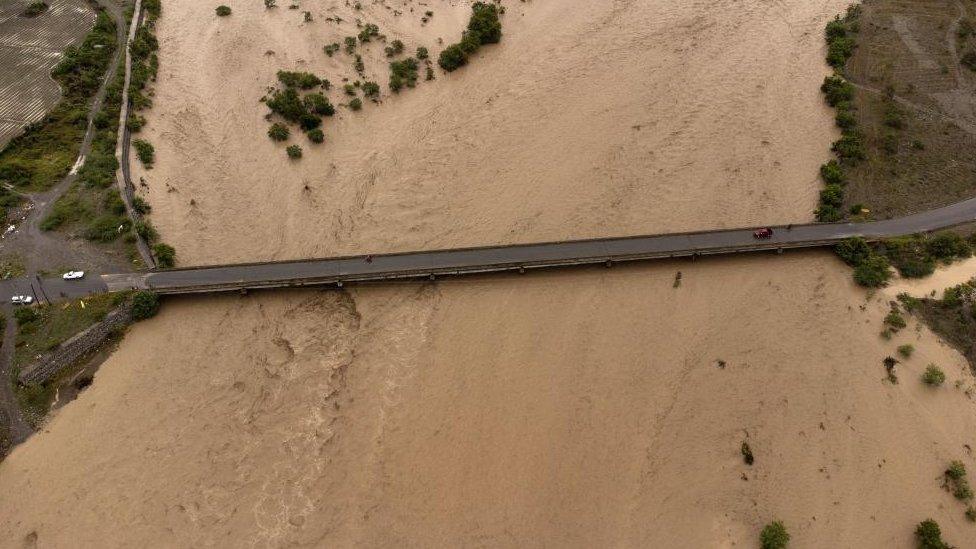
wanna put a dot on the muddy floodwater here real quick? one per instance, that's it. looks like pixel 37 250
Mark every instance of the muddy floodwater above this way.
pixel 580 408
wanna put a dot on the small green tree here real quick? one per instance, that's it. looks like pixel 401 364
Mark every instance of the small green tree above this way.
pixel 223 11
pixel 278 132
pixel 774 536
pixel 356 104
pixel 929 535
pixel 873 272
pixel 316 136
pixel 145 304
pixel 294 151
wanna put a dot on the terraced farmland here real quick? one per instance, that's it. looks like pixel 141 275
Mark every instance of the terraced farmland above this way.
pixel 29 49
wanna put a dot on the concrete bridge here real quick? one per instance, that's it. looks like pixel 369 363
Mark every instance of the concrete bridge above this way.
pixel 430 265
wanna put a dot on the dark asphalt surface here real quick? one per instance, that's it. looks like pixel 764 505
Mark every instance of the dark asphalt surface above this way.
pixel 421 265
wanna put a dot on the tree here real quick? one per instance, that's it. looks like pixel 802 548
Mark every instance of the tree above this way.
pixel 318 104
pixel 853 251
pixel 929 535
pixel 484 23
pixel 873 272
pixel 316 136
pixel 294 152
pixel 278 132
pixel 223 11
pixel 356 104
pixel 774 536
pixel 145 304
pixel 452 58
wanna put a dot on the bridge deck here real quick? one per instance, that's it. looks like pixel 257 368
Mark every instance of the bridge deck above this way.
pixel 456 262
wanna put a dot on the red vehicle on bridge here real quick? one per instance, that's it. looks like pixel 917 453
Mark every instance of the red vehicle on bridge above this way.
pixel 763 233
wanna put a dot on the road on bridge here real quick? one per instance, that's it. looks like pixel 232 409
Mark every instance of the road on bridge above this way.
pixel 462 261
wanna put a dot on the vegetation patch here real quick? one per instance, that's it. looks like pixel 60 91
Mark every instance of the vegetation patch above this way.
pixel 933 376
pixel 913 256
pixel 774 536
pixel 222 11
pixel 484 27
pixel 145 152
pixel 45 152
pixel 929 535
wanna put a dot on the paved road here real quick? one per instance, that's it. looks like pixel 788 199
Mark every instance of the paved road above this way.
pixel 424 264
pixel 43 250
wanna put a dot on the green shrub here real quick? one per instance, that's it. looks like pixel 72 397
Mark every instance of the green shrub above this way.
pixel 774 536
pixel 223 11
pixel 356 104
pixel 827 213
pixel 956 470
pixel 25 315
pixel 849 147
pixel 145 151
pixel 268 4
pixel 145 230
pixel 873 271
pixel 947 246
pixel 854 251
pixel 113 203
pixel 145 304
pixel 839 51
pixel 106 228
pixel 484 23
pixel 929 535
pixel 316 136
pixel 359 65
pixel 452 58
pixel 906 350
pixel 370 89
pixel 309 121
pixel 318 104
pixel 837 90
pixel 933 375
pixel 350 42
pixel 832 195
pixel 278 132
pixel 910 256
pixel 895 320
pixel 422 53
pixel 287 104
pixel 165 255
pixel 845 119
pixel 395 48
pixel 331 49
pixel 303 80
pixel 403 73
pixel 140 205
pixel 369 31
pixel 294 151
pixel 484 27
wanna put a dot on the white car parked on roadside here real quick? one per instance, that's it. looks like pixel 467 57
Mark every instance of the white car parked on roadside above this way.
pixel 73 275
pixel 22 300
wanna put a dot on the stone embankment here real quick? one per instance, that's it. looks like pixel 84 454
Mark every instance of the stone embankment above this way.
pixel 76 347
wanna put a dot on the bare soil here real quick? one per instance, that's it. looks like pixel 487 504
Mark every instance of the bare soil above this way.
pixel 909 52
